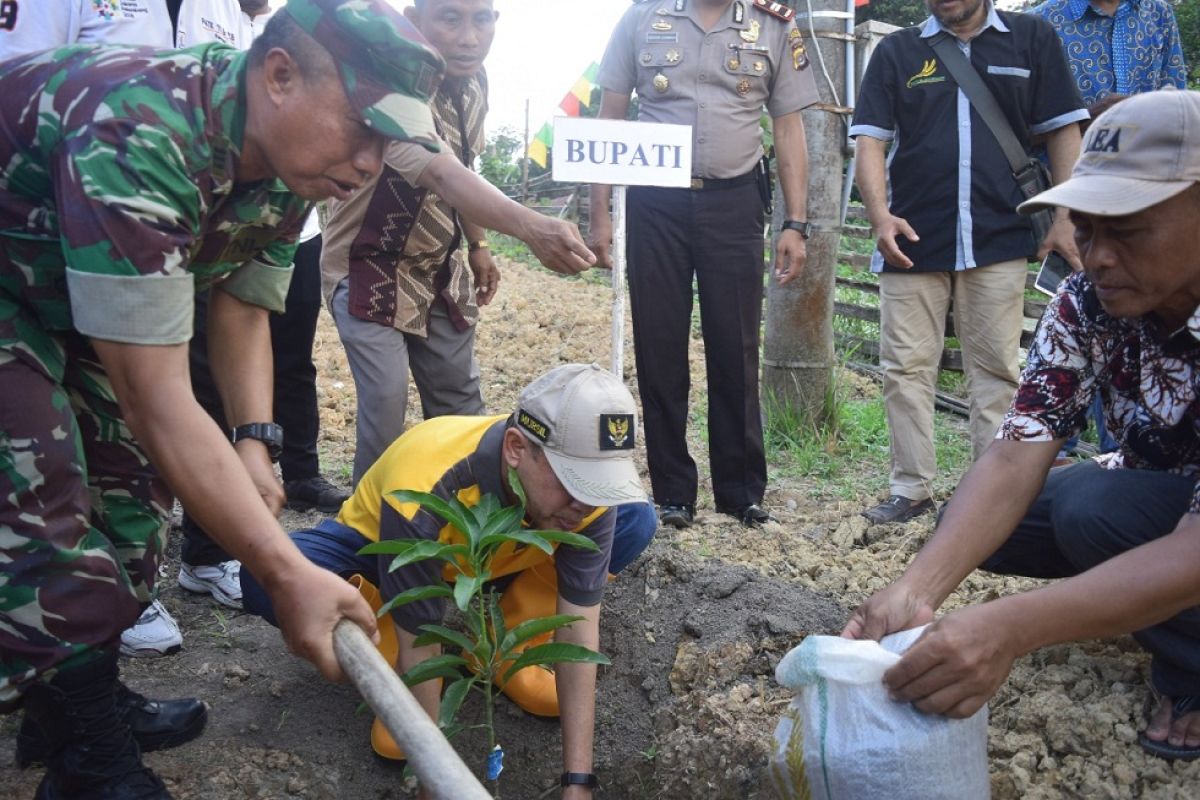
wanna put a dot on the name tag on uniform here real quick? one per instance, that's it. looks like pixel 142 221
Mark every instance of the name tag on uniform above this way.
pixel 653 37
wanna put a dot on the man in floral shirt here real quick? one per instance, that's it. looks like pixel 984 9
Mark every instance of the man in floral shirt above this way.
pixel 1124 528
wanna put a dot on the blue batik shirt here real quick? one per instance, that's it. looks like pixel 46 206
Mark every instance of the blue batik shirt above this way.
pixel 1137 49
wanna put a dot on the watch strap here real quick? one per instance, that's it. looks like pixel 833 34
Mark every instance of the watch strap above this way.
pixel 268 433
pixel 587 779
pixel 803 227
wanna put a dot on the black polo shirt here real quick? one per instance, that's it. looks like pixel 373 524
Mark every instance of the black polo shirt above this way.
pixel 946 172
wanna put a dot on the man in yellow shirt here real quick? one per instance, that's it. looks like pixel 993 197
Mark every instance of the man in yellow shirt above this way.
pixel 571 443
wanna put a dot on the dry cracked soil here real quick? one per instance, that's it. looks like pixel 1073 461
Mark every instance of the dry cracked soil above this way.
pixel 694 629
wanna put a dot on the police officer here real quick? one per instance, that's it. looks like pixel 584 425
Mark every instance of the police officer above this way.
pixel 714 65
pixel 127 181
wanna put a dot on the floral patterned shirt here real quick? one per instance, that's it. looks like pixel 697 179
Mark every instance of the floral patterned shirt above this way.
pixel 1149 383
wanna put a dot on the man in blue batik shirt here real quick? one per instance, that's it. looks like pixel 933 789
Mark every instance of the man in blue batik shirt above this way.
pixel 1118 46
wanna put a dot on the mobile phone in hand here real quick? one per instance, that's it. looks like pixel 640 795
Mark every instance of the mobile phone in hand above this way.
pixel 1053 271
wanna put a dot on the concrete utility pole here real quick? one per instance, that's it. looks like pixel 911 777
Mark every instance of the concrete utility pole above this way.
pixel 525 160
pixel 798 348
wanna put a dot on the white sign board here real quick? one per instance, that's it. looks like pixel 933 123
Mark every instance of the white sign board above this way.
pixel 622 153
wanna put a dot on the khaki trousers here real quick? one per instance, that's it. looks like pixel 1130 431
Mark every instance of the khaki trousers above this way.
pixel 988 309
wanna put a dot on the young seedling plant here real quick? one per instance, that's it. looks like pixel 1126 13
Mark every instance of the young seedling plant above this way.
pixel 486 654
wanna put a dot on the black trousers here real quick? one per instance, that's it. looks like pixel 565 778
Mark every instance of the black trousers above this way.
pixel 714 237
pixel 295 406
pixel 1086 515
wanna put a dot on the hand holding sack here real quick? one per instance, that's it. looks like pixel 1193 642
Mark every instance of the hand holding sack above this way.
pixel 842 738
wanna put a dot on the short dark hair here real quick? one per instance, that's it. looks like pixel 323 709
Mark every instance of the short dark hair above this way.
pixel 285 33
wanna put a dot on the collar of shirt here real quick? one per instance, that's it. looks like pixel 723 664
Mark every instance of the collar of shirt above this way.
pixel 1077 8
pixel 729 20
pixel 229 114
pixel 932 26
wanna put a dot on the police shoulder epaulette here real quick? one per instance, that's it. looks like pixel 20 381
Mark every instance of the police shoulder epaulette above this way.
pixel 777 10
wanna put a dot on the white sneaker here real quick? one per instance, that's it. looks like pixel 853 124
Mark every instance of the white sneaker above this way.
pixel 223 581
pixel 154 634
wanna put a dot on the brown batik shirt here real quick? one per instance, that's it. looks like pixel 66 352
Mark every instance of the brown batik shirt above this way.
pixel 398 243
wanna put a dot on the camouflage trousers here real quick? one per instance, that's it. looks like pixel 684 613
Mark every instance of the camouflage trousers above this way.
pixel 83 515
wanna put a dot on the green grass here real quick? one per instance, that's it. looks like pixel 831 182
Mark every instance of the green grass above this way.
pixel 514 249
pixel 846 447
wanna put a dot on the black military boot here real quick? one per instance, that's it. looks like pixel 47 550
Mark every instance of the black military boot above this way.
pixel 90 753
pixel 155 725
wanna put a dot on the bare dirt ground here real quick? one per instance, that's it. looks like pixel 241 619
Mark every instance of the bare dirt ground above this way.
pixel 694 629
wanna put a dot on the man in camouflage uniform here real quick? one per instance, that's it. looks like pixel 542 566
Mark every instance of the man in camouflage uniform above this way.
pixel 128 181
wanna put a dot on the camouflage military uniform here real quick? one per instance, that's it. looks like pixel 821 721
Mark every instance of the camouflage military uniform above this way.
pixel 117 202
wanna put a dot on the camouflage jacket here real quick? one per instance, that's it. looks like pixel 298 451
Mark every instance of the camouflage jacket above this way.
pixel 117 198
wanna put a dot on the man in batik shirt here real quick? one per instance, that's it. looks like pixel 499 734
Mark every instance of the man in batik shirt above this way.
pixel 127 181
pixel 1124 529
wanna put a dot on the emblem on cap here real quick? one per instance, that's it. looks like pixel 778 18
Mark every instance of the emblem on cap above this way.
pixel 536 428
pixel 616 431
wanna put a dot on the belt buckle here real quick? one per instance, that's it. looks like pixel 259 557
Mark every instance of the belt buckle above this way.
pixel 697 184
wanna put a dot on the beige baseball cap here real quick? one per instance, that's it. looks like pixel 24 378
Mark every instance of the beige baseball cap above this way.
pixel 586 422
pixel 1140 152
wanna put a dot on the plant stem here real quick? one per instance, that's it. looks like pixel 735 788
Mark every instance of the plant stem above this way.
pixel 488 671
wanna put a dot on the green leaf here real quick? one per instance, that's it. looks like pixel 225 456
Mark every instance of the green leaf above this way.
pixel 464 589
pixel 487 505
pixel 389 547
pixel 440 634
pixel 534 627
pixel 450 553
pixel 472 528
pixel 528 537
pixel 413 595
pixel 453 729
pixel 514 481
pixel 434 504
pixel 503 520
pixel 556 653
pixel 568 538
pixel 452 700
pixel 407 550
pixel 443 666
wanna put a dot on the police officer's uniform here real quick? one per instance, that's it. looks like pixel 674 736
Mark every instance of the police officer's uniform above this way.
pixel 718 81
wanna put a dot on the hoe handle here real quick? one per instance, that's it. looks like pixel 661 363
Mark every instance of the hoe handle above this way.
pixel 441 772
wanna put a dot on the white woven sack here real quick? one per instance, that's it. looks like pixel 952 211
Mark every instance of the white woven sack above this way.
pixel 843 739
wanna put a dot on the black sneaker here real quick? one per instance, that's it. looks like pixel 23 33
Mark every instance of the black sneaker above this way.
pixel 315 492
pixel 898 509
pixel 751 515
pixel 679 516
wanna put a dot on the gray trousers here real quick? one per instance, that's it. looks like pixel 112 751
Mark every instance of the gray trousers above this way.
pixel 1086 515
pixel 443 367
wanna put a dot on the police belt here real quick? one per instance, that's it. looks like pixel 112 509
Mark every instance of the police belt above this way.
pixel 709 184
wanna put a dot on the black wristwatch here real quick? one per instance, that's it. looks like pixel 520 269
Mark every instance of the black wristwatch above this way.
pixel 268 433
pixel 803 228
pixel 579 779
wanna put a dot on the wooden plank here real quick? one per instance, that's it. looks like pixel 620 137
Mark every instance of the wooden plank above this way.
pixel 869 348
pixel 858 261
pixel 852 311
pixel 869 287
